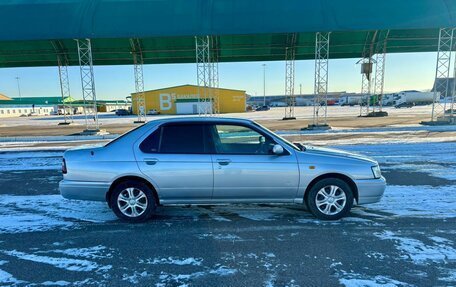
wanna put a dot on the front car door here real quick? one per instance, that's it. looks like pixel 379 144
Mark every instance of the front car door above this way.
pixel 246 170
pixel 175 157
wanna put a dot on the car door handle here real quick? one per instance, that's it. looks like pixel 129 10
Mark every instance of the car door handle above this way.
pixel 223 161
pixel 150 161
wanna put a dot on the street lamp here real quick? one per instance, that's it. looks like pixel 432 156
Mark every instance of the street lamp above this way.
pixel 19 88
pixel 264 84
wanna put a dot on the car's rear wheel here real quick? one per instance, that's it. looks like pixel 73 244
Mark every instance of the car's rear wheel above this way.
pixel 133 201
pixel 330 199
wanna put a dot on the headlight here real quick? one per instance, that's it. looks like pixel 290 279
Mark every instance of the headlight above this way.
pixel 376 171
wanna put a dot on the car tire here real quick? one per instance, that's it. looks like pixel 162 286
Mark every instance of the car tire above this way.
pixel 133 201
pixel 330 199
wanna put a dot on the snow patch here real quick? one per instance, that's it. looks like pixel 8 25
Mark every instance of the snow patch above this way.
pixel 220 236
pixel 450 275
pixel 15 161
pixel 357 280
pixel 415 201
pixel 421 157
pixel 174 261
pixel 55 283
pixel 167 279
pixel 417 251
pixel 6 277
pixel 94 252
pixel 45 212
pixel 136 277
pixel 69 264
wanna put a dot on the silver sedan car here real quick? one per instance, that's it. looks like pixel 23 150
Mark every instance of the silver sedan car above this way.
pixel 217 161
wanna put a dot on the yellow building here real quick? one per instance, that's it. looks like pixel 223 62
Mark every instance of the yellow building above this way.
pixel 184 100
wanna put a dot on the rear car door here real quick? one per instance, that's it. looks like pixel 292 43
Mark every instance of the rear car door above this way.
pixel 245 169
pixel 176 159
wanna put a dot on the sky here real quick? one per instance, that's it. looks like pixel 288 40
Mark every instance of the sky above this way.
pixel 402 72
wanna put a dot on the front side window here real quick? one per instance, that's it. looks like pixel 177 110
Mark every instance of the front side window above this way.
pixel 233 139
pixel 179 139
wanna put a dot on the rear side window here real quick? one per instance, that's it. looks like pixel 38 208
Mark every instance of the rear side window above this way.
pixel 186 138
pixel 150 144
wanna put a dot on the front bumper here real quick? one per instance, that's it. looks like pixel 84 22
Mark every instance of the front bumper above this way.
pixel 370 190
pixel 95 191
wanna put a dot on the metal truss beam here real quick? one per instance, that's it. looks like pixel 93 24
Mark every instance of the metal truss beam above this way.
pixel 88 83
pixel 63 62
pixel 321 78
pixel 290 100
pixel 442 73
pixel 366 71
pixel 203 75
pixel 380 57
pixel 214 72
pixel 138 63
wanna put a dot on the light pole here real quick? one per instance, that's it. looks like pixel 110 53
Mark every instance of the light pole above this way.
pixel 19 88
pixel 264 84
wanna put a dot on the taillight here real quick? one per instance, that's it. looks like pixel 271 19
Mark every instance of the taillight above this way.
pixel 64 168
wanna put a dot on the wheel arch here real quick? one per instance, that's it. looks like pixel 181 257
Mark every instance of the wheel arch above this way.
pixel 340 176
pixel 131 177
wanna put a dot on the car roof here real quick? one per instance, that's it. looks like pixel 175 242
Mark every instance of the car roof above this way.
pixel 201 119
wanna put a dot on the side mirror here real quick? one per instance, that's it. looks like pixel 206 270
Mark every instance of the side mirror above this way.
pixel 277 149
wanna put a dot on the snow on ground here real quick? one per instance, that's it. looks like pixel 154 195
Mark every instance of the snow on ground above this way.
pixel 358 280
pixel 415 201
pixel 69 264
pixel 30 161
pixel 173 261
pixel 437 159
pixel 94 252
pixel 45 212
pixel 419 252
pixel 170 279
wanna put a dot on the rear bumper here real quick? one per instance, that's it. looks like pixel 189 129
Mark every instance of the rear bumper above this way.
pixel 82 190
pixel 370 190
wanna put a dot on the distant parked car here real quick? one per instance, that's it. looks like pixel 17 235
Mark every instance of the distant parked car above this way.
pixel 32 114
pixel 263 108
pixel 55 113
pixel 153 112
pixel 122 112
pixel 216 161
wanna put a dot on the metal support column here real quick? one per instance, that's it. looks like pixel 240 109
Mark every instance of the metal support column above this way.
pixel 214 74
pixel 366 71
pixel 442 72
pixel 88 84
pixel 63 62
pixel 65 90
pixel 290 100
pixel 138 63
pixel 379 80
pixel 321 79
pixel 203 75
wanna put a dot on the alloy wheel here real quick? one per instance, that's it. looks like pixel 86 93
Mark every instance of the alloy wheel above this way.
pixel 132 202
pixel 330 200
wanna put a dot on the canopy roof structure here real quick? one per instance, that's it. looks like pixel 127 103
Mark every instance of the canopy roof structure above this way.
pixel 246 30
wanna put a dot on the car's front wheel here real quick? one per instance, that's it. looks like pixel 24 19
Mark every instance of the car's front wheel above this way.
pixel 330 199
pixel 132 201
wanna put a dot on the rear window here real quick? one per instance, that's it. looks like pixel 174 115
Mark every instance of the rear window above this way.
pixel 186 138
